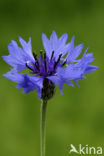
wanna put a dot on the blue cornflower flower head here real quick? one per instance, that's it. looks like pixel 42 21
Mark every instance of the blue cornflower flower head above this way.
pixel 56 66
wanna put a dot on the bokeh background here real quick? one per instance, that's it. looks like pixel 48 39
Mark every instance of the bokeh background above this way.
pixel 77 117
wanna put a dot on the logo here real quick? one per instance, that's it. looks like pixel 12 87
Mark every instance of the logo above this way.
pixel 85 149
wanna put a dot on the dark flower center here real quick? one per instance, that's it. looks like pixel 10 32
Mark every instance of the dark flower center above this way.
pixel 45 66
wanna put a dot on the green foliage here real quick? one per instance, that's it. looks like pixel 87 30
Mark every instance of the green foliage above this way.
pixel 77 116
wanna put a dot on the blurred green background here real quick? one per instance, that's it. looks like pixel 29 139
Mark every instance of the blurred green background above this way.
pixel 77 117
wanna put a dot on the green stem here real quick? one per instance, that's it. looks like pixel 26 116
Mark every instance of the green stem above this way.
pixel 42 127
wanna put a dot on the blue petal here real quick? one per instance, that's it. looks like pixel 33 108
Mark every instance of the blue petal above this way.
pixel 77 51
pixel 71 72
pixel 53 40
pixel 54 44
pixel 76 80
pixel 74 71
pixel 82 67
pixel 46 44
pixel 14 76
pixel 74 52
pixel 85 61
pixel 26 82
pixel 65 75
pixel 62 50
pixel 56 80
pixel 90 69
pixel 18 57
pixel 63 39
pixel 26 46
pixel 68 82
